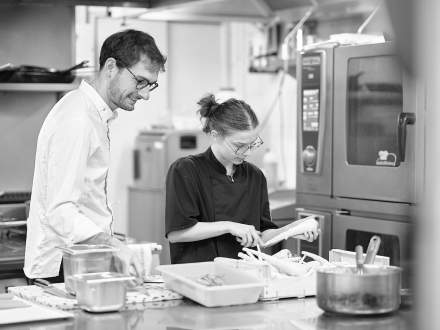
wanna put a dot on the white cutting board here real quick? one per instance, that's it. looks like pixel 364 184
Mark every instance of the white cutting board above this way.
pixel 30 314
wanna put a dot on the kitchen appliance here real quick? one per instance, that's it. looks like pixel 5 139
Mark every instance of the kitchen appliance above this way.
pixel 357 123
pixel 12 241
pixel 360 145
pixel 154 152
pixel 156 149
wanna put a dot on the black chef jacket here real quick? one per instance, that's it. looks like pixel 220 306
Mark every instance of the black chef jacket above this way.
pixel 198 189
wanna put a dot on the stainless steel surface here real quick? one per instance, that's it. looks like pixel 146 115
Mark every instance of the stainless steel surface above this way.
pixel 349 231
pixel 101 292
pixel 285 314
pixel 319 182
pixel 82 259
pixel 254 10
pixel 12 241
pixel 156 149
pixel 345 290
pixel 386 183
pixel 372 249
pixel 282 204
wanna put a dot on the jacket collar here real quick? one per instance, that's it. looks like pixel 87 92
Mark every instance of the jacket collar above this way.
pixel 104 111
pixel 216 163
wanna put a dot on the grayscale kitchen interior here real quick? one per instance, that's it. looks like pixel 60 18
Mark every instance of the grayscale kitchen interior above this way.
pixel 133 194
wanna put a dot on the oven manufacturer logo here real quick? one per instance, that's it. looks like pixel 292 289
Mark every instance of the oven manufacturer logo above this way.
pixel 386 158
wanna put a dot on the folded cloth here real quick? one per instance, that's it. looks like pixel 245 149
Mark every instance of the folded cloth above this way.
pixel 148 293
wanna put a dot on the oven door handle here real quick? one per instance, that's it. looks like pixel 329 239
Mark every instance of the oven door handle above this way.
pixel 405 118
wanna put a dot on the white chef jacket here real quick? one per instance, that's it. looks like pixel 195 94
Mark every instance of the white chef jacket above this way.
pixel 69 194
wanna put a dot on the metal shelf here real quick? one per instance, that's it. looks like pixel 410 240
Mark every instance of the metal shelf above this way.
pixel 35 87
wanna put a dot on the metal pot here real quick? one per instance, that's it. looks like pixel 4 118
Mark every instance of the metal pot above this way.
pixel 345 290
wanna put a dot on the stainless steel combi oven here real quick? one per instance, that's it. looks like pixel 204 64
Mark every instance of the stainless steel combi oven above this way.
pixel 360 143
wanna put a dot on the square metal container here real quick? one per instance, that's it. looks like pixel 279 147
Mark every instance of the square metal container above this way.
pixel 84 259
pixel 101 292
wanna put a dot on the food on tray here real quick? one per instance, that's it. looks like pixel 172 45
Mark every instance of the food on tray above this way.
pixel 211 280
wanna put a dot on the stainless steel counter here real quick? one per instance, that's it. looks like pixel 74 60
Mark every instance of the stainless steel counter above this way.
pixel 284 314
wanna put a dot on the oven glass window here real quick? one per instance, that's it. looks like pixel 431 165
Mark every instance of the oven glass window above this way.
pixel 374 102
pixel 389 246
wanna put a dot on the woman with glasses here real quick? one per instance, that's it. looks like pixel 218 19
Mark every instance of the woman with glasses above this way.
pixel 217 202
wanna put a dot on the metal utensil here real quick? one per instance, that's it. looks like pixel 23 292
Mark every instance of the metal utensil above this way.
pixel 372 249
pixel 359 259
pixel 49 288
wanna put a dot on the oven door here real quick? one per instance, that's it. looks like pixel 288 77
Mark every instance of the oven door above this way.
pixel 374 125
pixel 320 246
pixel 349 231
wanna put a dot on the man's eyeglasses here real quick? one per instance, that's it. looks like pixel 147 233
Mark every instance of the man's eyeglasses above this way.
pixel 142 83
pixel 240 150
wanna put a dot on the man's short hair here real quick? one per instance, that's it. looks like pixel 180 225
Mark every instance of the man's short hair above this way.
pixel 127 46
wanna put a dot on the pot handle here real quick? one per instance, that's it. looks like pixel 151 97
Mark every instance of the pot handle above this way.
pixel 81 65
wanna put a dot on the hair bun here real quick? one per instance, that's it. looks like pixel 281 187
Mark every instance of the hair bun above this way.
pixel 208 105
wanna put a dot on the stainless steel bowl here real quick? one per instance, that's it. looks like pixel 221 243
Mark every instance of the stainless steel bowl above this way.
pixel 101 292
pixel 374 291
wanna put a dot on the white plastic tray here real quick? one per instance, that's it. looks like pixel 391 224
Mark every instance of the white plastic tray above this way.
pixel 239 287
pixel 338 256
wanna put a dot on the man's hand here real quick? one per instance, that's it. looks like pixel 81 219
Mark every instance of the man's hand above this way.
pixel 246 235
pixel 126 260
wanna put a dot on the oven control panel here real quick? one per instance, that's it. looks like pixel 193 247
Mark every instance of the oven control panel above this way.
pixel 311 90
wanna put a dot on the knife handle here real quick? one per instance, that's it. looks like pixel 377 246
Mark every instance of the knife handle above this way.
pixel 42 283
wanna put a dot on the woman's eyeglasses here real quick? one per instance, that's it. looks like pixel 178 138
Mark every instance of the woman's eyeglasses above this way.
pixel 242 149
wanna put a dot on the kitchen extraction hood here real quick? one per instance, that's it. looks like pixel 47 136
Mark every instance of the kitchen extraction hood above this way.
pixel 224 10
pixel 254 10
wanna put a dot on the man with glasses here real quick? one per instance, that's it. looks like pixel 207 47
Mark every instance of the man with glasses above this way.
pixel 69 202
pixel 217 202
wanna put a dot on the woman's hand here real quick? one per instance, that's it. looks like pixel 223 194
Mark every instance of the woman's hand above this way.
pixel 309 235
pixel 306 229
pixel 246 235
pixel 311 231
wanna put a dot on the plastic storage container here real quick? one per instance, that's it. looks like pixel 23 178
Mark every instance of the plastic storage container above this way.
pixel 83 259
pixel 237 287
pixel 101 292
